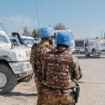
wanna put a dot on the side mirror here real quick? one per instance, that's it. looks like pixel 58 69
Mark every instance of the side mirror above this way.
pixel 12 45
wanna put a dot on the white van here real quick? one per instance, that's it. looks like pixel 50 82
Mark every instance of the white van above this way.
pixel 95 47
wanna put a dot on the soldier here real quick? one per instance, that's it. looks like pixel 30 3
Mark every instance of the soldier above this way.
pixel 61 69
pixel 37 57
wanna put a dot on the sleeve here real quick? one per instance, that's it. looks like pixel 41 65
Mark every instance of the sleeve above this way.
pixel 77 74
pixel 32 57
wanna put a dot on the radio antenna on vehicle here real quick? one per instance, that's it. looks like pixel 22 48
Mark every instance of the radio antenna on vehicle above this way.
pixel 3 28
pixel 37 14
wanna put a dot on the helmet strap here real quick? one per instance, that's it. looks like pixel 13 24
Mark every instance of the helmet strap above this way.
pixel 49 39
pixel 62 47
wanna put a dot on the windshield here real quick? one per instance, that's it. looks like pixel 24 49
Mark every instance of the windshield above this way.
pixel 101 44
pixel 3 39
pixel 28 41
pixel 79 43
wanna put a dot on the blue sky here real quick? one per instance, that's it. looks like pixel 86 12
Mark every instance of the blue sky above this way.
pixel 86 18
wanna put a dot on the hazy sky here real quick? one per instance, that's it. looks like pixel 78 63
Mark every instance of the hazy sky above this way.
pixel 86 18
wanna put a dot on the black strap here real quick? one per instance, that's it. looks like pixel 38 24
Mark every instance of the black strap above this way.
pixel 72 67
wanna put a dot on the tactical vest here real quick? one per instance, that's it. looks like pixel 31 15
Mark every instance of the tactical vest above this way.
pixel 58 70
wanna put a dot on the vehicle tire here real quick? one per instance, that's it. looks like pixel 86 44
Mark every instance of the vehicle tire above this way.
pixel 7 79
pixel 94 53
pixel 86 53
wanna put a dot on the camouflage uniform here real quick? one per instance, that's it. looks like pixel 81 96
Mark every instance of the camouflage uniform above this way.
pixel 37 59
pixel 61 68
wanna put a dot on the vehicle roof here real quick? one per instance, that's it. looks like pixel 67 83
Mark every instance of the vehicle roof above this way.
pixel 28 37
pixel 95 41
pixel 56 31
pixel 3 33
pixel 79 39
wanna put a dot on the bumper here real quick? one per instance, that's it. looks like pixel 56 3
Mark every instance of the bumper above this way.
pixel 24 75
pixel 21 67
pixel 82 50
pixel 101 52
pixel 79 51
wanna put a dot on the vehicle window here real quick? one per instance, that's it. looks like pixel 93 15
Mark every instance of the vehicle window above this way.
pixel 55 35
pixel 92 43
pixel 101 44
pixel 89 44
pixel 3 39
pixel 79 43
pixel 28 41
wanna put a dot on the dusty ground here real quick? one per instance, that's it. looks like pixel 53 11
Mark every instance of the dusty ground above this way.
pixel 92 86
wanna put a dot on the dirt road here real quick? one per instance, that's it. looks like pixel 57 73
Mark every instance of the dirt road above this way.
pixel 92 86
pixel 93 81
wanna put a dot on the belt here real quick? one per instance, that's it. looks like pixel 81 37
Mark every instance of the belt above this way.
pixel 61 90
pixel 50 88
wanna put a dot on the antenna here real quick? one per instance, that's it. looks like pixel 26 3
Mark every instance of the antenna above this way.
pixel 101 33
pixel 3 28
pixel 37 14
pixel 104 35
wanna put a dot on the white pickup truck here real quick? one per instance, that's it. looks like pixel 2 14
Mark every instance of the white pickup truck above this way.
pixel 95 47
pixel 14 63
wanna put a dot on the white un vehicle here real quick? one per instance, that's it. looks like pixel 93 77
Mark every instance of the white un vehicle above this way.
pixel 14 64
pixel 95 47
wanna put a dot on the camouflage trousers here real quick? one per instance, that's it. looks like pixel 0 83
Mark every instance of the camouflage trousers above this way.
pixel 38 86
pixel 55 97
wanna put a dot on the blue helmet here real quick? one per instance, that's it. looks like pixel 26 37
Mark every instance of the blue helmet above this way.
pixel 64 38
pixel 46 32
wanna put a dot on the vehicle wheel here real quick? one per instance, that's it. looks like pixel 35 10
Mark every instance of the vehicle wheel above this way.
pixel 94 53
pixel 7 79
pixel 87 54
